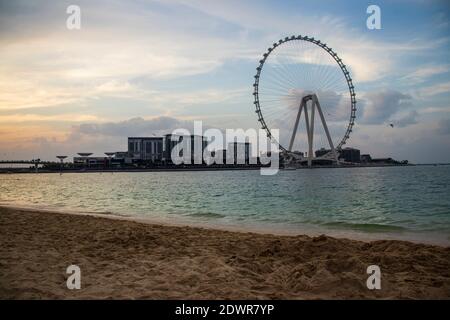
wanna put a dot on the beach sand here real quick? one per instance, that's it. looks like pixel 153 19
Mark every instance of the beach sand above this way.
pixel 128 259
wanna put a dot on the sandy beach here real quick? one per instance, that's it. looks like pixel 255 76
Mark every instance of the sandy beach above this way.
pixel 129 259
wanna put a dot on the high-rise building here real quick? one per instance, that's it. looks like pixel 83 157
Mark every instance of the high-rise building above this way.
pixel 239 152
pixel 146 148
pixel 188 148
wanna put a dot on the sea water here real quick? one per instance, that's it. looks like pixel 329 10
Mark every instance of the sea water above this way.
pixel 411 203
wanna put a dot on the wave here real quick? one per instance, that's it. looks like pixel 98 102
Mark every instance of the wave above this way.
pixel 207 215
pixel 366 227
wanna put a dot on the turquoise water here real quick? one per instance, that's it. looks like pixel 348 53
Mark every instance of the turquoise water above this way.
pixel 391 202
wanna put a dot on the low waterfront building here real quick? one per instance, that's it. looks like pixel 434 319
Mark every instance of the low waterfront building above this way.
pixel 321 152
pixel 299 154
pixel 384 161
pixel 90 162
pixel 121 158
pixel 366 158
pixel 350 155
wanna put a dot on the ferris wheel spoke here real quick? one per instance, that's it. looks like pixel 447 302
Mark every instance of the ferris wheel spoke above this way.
pixel 275 80
pixel 330 83
pixel 327 76
pixel 292 99
pixel 278 97
pixel 294 65
pixel 283 71
pixel 286 71
pixel 276 77
pixel 280 73
pixel 280 113
pixel 279 88
pixel 277 115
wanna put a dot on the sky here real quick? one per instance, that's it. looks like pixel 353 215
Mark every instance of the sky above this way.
pixel 143 68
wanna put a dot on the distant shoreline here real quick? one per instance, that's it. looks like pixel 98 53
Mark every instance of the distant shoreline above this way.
pixel 433 164
pixel 205 168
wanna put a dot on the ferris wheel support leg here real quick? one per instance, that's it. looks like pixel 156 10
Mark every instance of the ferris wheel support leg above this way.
pixel 311 135
pixel 294 132
pixel 319 109
pixel 308 132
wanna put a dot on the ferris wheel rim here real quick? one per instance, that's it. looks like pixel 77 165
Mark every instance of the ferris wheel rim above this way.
pixel 341 65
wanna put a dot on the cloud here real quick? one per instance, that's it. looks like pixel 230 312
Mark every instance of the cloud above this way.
pixel 132 127
pixel 444 126
pixel 44 64
pixel 406 120
pixel 432 110
pixel 29 117
pixel 368 59
pixel 206 96
pixel 423 73
pixel 155 40
pixel 443 87
pixel 47 142
pixel 380 106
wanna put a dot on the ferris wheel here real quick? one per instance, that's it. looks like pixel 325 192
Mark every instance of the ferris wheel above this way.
pixel 301 75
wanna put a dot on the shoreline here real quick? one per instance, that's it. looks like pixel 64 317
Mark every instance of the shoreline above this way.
pixel 120 258
pixel 427 238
